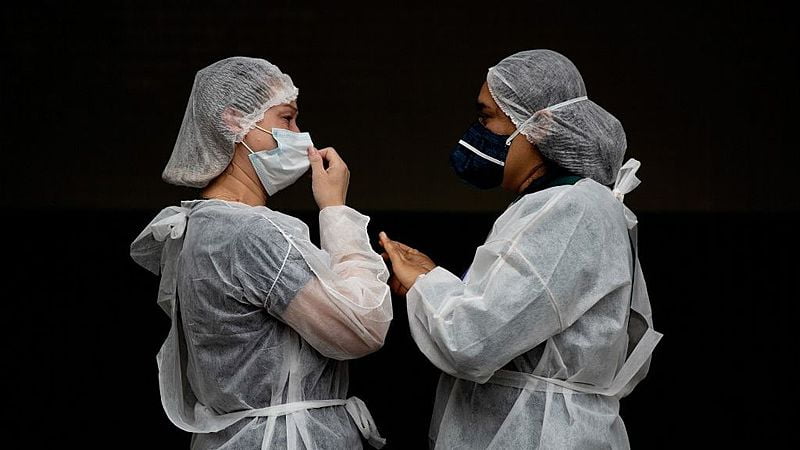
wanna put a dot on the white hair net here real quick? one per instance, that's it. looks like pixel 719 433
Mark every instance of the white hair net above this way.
pixel 580 136
pixel 228 98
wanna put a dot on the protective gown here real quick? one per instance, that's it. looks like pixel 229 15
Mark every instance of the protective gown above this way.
pixel 262 323
pixel 549 328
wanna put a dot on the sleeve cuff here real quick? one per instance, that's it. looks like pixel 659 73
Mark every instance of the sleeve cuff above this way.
pixel 433 288
pixel 342 229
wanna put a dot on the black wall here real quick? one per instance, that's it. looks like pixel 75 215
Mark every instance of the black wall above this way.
pixel 92 101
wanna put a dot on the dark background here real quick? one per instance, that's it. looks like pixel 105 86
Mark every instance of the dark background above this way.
pixel 92 98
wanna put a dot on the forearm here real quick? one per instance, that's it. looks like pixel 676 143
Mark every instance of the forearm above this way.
pixel 336 332
pixel 469 331
pixel 343 234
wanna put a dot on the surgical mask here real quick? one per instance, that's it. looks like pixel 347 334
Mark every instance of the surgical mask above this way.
pixel 480 155
pixel 281 166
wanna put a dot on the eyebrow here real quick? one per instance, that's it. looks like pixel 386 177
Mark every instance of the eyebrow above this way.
pixel 289 106
pixel 481 107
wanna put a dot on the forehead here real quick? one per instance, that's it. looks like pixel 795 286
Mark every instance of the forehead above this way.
pixel 485 97
pixel 292 106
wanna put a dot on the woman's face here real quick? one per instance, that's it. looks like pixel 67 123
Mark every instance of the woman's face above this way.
pixel 279 116
pixel 522 155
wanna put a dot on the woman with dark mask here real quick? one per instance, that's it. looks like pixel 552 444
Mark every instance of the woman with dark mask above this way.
pixel 551 325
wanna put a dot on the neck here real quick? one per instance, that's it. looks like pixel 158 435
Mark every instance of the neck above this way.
pixel 237 184
pixel 537 171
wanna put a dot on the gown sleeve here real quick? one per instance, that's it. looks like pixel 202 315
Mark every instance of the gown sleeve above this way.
pixel 527 283
pixel 335 297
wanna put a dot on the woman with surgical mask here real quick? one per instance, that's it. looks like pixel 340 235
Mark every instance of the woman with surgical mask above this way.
pixel 263 321
pixel 551 324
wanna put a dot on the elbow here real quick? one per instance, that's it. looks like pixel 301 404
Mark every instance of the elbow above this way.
pixel 477 366
pixel 470 361
pixel 478 373
pixel 354 349
pixel 353 344
pixel 364 350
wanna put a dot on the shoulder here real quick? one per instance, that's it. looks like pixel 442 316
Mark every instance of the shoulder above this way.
pixel 585 202
pixel 253 228
pixel 260 230
pixel 585 195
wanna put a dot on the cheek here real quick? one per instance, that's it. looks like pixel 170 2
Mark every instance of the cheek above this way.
pixel 501 127
pixel 269 122
pixel 267 142
pixel 262 139
pixel 516 158
pixel 259 140
pixel 520 159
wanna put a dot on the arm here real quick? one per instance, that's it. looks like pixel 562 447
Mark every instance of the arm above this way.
pixel 339 304
pixel 529 282
pixel 345 310
pixel 336 297
pixel 470 330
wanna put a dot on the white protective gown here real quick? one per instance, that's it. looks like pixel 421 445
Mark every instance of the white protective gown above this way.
pixel 262 323
pixel 537 342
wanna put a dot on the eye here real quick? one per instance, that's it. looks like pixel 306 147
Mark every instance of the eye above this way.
pixel 288 118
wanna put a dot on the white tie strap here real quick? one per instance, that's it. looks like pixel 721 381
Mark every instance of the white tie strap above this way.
pixel 172 226
pixel 626 179
pixel 625 183
pixel 157 248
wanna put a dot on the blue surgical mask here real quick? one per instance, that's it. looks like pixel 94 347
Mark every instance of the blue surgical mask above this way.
pixel 281 166
pixel 479 157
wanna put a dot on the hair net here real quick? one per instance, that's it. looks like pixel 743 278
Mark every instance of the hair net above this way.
pixel 580 136
pixel 227 99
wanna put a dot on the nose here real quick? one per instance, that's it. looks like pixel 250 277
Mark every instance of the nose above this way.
pixel 293 127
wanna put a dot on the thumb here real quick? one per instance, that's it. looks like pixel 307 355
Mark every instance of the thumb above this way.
pixel 316 161
pixel 390 247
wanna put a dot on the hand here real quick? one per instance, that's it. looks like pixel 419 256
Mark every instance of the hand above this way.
pixel 407 264
pixel 328 185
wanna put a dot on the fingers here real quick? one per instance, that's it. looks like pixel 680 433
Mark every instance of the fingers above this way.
pixel 396 286
pixel 400 246
pixel 315 158
pixel 382 237
pixel 395 255
pixel 386 243
pixel 331 156
pixel 404 247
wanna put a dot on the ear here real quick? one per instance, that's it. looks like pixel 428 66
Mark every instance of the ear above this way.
pixel 541 127
pixel 231 117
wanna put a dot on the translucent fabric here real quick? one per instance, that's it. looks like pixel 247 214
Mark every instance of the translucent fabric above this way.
pixel 262 323
pixel 581 136
pixel 228 98
pixel 545 333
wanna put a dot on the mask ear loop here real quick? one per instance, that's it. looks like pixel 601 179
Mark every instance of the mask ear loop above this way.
pixel 549 108
pixel 245 143
pixel 265 131
pixel 516 132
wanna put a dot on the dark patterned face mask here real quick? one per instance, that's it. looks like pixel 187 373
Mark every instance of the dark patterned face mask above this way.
pixel 479 157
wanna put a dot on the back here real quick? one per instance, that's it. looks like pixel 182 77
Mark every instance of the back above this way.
pixel 240 355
